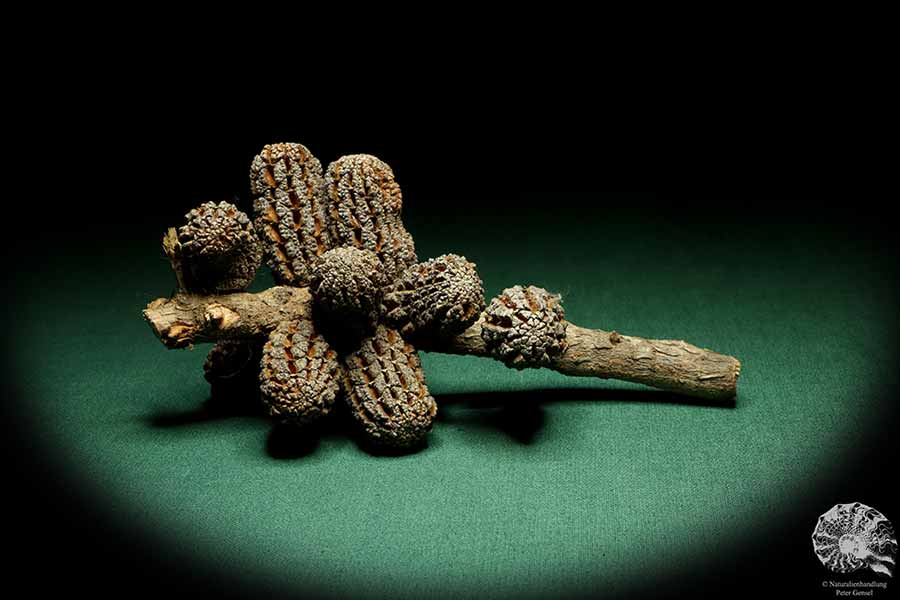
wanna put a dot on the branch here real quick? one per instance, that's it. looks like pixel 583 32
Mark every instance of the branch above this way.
pixel 188 319
pixel 671 365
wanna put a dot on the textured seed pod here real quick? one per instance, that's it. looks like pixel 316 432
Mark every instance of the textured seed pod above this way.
pixel 386 392
pixel 348 282
pixel 364 204
pixel 437 298
pixel 232 368
pixel 218 248
pixel 524 327
pixel 299 375
pixel 291 219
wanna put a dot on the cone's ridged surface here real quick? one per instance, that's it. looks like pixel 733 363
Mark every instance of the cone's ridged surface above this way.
pixel 299 376
pixel 218 248
pixel 525 327
pixel 437 298
pixel 291 219
pixel 364 205
pixel 348 282
pixel 386 391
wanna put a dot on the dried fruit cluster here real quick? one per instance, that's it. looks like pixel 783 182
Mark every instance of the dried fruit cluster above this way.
pixel 342 236
pixel 353 301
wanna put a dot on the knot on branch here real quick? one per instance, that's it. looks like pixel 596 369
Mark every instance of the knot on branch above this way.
pixel 524 327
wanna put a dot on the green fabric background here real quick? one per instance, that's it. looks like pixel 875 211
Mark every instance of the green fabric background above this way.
pixel 532 482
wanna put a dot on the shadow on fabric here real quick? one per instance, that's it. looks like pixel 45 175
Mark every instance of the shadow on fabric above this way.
pixel 519 415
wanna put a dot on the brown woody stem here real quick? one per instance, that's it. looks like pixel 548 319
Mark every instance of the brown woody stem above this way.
pixel 671 365
pixel 188 319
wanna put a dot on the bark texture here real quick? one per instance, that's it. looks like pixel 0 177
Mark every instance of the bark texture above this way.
pixel 672 365
pixel 187 319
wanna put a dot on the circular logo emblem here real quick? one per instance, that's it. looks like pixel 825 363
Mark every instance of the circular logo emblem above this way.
pixel 854 536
